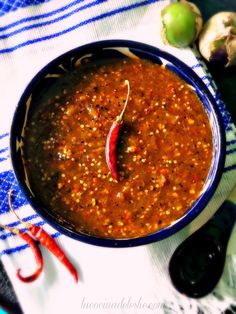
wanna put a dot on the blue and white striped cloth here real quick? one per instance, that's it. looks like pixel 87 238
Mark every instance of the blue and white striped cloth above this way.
pixel 133 280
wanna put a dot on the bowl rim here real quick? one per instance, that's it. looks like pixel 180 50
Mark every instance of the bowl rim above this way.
pixel 192 212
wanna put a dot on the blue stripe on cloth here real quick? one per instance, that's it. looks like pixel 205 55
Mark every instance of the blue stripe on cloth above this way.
pixel 58 19
pixel 195 66
pixel 3 135
pixel 14 250
pixel 231 142
pixel 3 150
pixel 231 151
pixel 12 5
pixel 4 236
pixel 226 117
pixel 23 247
pixel 25 219
pixel 230 128
pixel 4 158
pixel 207 77
pixel 41 16
pixel 7 182
pixel 81 24
pixel 208 84
pixel 230 168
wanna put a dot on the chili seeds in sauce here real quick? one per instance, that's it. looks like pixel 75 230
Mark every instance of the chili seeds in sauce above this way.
pixel 164 151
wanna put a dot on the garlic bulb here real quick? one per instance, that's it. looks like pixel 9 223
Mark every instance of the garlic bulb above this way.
pixel 217 41
pixel 181 23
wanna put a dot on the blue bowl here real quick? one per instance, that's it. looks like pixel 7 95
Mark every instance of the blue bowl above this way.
pixel 107 49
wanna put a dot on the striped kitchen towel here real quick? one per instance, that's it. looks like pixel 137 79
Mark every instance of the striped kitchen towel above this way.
pixel 133 280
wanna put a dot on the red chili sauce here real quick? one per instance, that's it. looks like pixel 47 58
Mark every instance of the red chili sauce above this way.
pixel 164 151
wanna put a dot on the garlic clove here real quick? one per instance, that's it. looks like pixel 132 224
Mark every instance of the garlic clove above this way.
pixel 231 50
pixel 217 38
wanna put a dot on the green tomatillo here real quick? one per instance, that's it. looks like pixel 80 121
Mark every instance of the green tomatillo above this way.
pixel 181 23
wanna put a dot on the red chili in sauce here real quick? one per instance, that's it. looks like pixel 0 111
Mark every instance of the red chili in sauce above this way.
pixel 164 151
pixel 113 138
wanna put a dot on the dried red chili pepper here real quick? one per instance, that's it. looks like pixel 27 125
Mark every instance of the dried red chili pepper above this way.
pixel 35 249
pixel 112 140
pixel 47 241
pixel 38 257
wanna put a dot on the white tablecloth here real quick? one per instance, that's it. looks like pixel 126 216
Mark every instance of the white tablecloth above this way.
pixel 133 280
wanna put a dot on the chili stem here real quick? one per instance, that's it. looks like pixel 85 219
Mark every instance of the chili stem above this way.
pixel 13 211
pixel 13 230
pixel 120 117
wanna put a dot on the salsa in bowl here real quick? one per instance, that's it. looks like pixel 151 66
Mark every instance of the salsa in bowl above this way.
pixel 168 150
